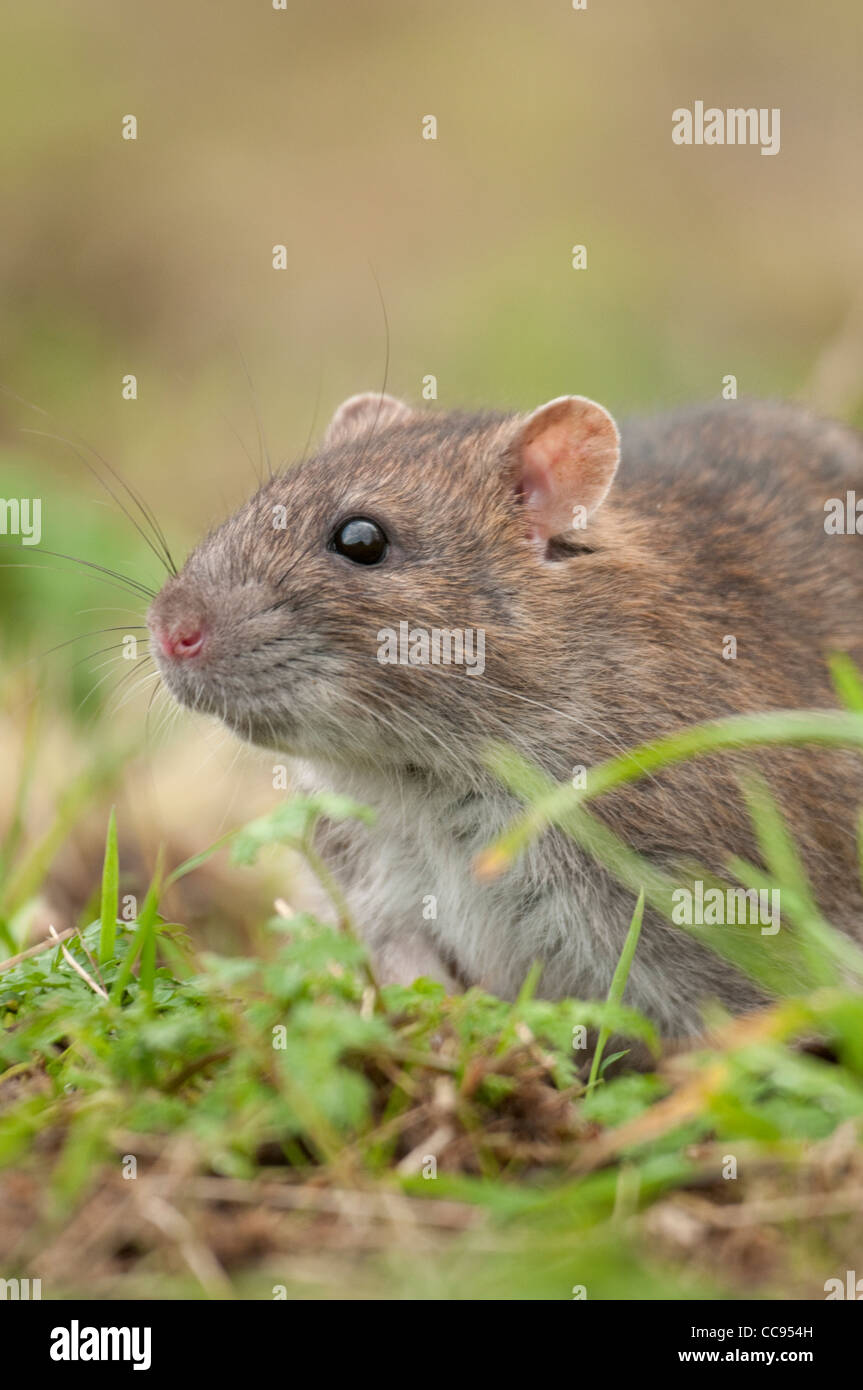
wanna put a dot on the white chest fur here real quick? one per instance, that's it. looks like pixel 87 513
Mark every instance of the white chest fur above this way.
pixel 413 890
pixel 413 872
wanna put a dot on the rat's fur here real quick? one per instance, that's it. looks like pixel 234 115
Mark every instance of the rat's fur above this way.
pixel 612 635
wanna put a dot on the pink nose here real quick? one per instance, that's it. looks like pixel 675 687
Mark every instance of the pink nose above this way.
pixel 185 640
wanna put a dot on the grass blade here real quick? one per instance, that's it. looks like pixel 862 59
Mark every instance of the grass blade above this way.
pixel 847 681
pixel 618 983
pixel 110 893
pixel 829 728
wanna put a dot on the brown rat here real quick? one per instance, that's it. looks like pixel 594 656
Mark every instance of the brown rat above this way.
pixel 595 636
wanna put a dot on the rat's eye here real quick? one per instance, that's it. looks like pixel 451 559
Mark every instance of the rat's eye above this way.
pixel 360 540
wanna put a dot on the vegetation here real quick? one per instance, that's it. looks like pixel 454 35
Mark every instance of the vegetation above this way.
pixel 184 1121
pixel 303 1165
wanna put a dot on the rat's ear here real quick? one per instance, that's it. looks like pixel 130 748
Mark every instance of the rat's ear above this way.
pixel 360 415
pixel 565 457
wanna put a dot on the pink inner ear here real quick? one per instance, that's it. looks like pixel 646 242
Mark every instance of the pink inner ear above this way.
pixel 553 481
pixel 568 458
pixel 536 488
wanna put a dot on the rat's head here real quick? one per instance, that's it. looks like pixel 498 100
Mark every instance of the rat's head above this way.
pixel 403 596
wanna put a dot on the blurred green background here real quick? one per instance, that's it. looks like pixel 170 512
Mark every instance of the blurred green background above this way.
pixel 304 127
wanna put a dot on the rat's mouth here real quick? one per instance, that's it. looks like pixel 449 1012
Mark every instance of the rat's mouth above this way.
pixel 220 695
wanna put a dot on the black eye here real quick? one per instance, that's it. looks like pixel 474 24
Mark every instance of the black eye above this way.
pixel 361 540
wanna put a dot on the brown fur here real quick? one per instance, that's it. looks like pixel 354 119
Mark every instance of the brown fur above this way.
pixel 714 526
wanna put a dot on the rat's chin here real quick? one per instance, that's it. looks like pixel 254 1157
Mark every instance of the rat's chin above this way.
pixel 247 719
pixel 256 727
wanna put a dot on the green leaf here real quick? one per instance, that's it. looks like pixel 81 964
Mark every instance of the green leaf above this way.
pixel 618 983
pixel 197 860
pixel 847 681
pixel 292 821
pixel 110 893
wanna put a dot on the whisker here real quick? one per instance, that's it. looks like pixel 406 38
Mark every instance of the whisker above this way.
pixel 143 507
pixel 92 691
pixel 20 565
pixel 133 670
pixel 132 691
pixel 133 585
pixel 163 555
pixel 615 743
pixel 171 711
pixel 155 691
pixel 401 711
pixel 82 612
pixel 115 647
pixel 236 433
pixel 97 632
pixel 235 789
pixel 314 413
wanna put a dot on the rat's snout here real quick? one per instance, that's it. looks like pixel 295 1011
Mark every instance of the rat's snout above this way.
pixel 181 635
pixel 182 641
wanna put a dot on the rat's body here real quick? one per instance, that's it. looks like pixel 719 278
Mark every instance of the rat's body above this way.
pixel 595 639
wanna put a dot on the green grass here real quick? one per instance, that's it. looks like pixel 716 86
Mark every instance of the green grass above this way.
pixel 177 1066
pixel 285 1081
